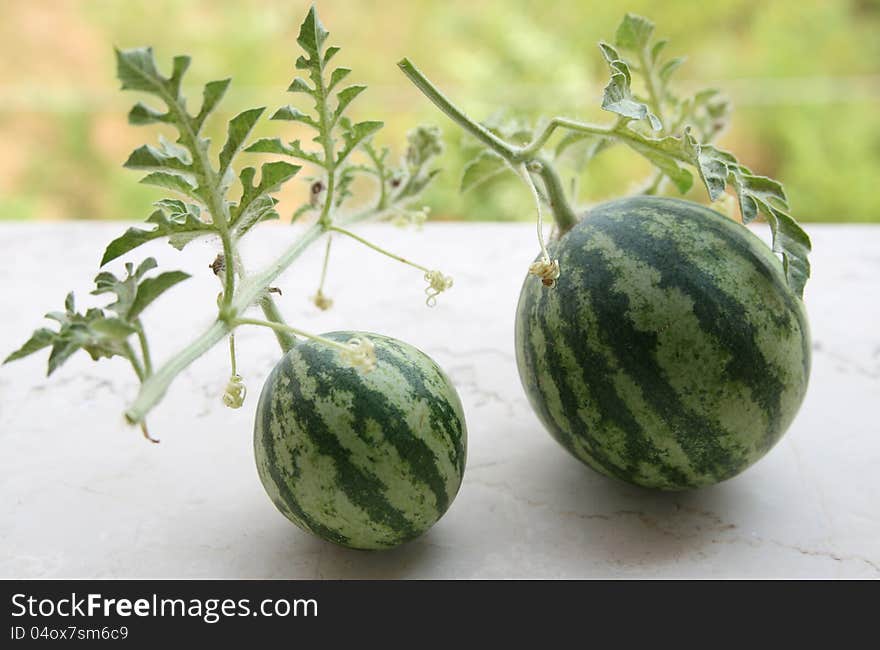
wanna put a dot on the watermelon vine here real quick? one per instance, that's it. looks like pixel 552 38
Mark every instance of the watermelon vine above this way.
pixel 674 133
pixel 208 202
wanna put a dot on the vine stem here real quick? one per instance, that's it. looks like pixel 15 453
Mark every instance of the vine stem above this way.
pixel 378 249
pixel 291 330
pixel 145 348
pixel 563 213
pixel 325 264
pixel 155 386
pixel 251 289
pixel 232 364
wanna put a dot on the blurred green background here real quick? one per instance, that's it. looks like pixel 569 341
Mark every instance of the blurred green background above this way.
pixel 804 77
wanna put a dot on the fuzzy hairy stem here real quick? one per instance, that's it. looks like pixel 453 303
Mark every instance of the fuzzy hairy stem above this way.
pixel 563 213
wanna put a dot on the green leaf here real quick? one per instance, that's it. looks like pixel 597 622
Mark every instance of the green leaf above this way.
pixel 213 93
pixel 634 33
pixel 240 128
pixel 618 97
pixel 274 145
pixel 668 68
pixel 355 135
pixel 256 204
pixel 608 52
pixel 169 181
pixel 114 328
pixel 40 339
pixel 291 114
pixel 312 35
pixel 141 114
pixel 136 69
pixel 345 97
pixel 180 229
pixel 423 144
pixel 152 288
pixel 486 165
pixel 150 158
pixel 580 151
pixel 680 177
pixel 657 48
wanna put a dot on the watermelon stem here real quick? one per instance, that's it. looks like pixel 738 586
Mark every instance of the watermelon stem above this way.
pixel 563 213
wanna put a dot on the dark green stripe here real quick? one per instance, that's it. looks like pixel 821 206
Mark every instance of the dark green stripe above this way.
pixel 719 314
pixel 443 416
pixel 288 501
pixel 597 374
pixel 634 351
pixel 324 366
pixel 362 488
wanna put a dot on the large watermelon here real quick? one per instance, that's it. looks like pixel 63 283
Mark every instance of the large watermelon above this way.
pixel 671 353
pixel 367 460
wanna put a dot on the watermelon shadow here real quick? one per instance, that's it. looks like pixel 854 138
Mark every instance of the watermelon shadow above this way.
pixel 299 555
pixel 631 526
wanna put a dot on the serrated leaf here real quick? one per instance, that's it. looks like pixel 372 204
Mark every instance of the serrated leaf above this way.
pixel 657 48
pixel 240 128
pixel 312 34
pixel 423 143
pixel 136 69
pixel 300 85
pixel 151 288
pixel 634 32
pixel 169 181
pixel 291 114
pixel 338 75
pixel 618 99
pixel 355 135
pixel 330 53
pixel 486 165
pixel 680 177
pixel 256 204
pixel 61 351
pixel 211 96
pixel 181 228
pixel 141 114
pixel 608 52
pixel 668 68
pixel 345 97
pixel 114 328
pixel 294 149
pixel 40 339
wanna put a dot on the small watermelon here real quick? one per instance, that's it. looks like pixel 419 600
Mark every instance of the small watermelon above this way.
pixel 671 353
pixel 367 460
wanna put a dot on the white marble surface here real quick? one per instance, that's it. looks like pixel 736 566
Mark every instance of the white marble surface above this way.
pixel 83 495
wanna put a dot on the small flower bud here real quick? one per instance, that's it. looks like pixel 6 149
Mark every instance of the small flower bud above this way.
pixel 236 391
pixel 321 301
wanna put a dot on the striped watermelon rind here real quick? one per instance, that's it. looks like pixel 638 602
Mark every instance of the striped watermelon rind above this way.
pixel 367 460
pixel 671 353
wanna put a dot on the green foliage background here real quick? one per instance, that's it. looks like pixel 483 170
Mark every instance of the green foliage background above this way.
pixel 804 76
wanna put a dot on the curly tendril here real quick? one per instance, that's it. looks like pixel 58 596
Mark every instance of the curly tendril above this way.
pixel 437 284
pixel 547 270
pixel 360 353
